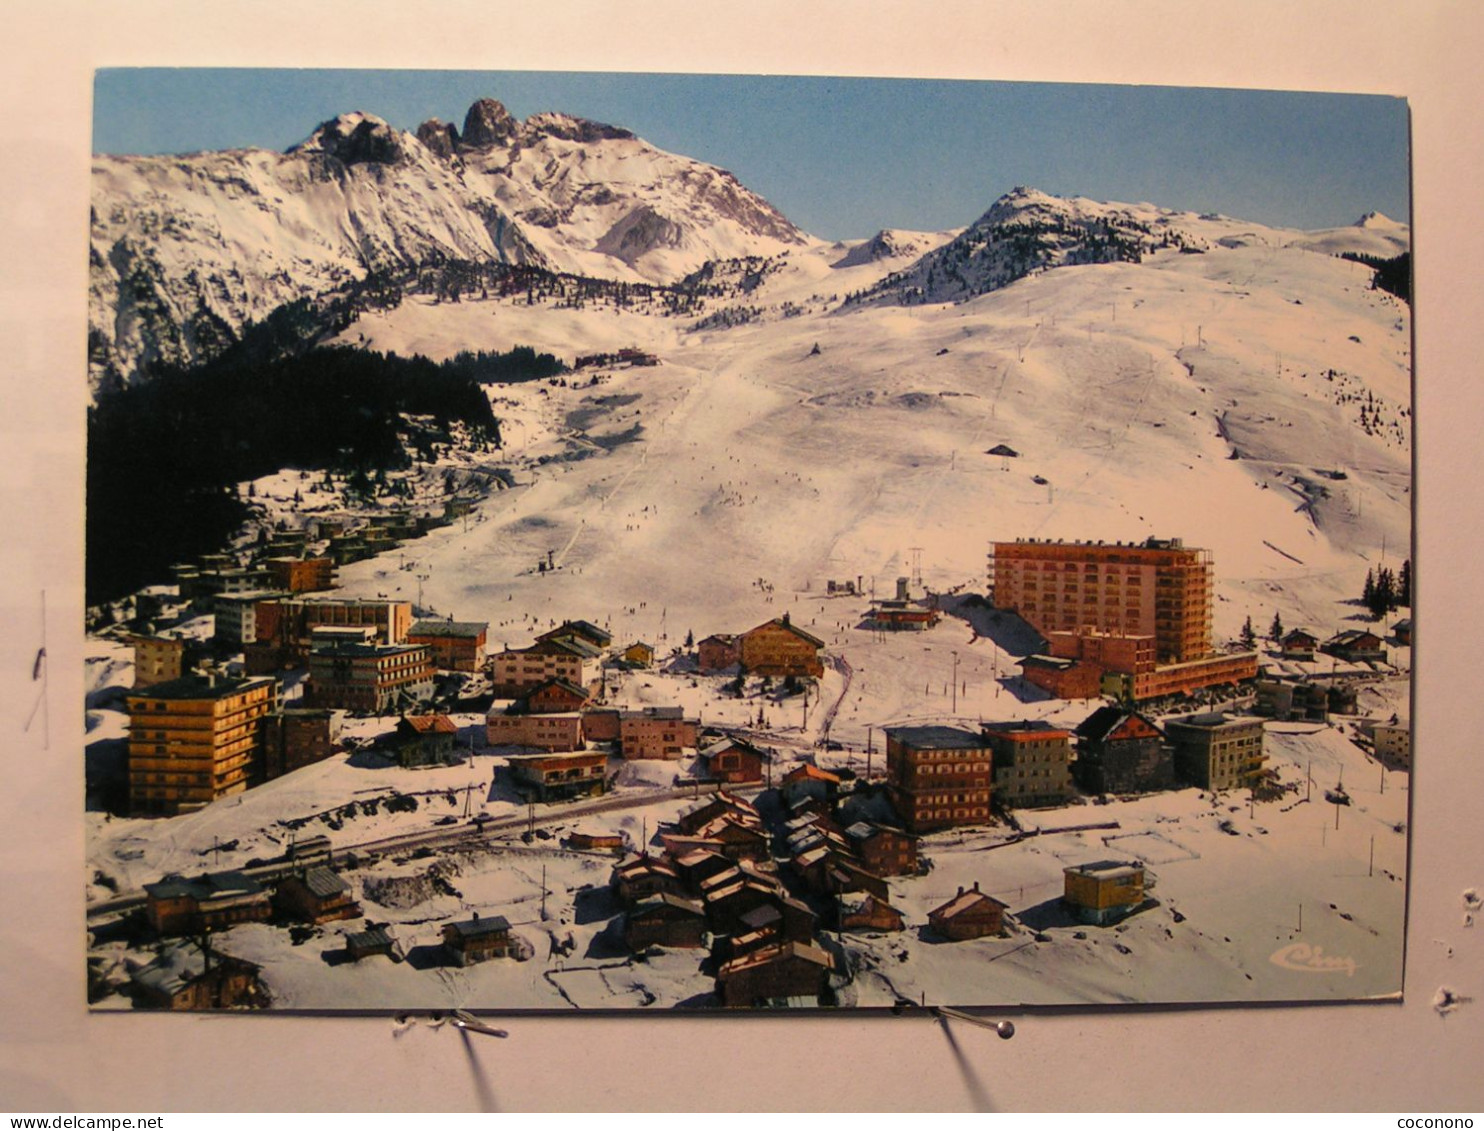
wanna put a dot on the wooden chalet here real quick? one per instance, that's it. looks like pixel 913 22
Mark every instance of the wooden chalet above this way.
pixel 883 850
pixel 426 740
pixel 479 939
pixel 734 761
pixel 728 903
pixel 595 637
pixel 810 781
pixel 779 648
pixel 1401 631
pixel 1357 645
pixel 184 976
pixel 372 941
pixel 643 877
pixel 733 838
pixel 867 912
pixel 211 902
pixel 1122 751
pixel 721 804
pixel 555 696
pixel 969 915
pixel 1298 644
pixel 596 842
pixel 789 973
pixel 718 652
pixel 665 919
pixel 317 896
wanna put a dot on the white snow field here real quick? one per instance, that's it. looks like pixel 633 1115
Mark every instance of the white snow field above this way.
pixel 1215 397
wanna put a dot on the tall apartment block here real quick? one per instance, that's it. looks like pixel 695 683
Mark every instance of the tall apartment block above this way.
pixel 195 739
pixel 1139 612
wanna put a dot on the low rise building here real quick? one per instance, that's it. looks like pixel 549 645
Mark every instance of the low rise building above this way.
pixel 560 776
pixel 426 740
pixel 665 919
pixel 555 696
pixel 792 973
pixel 1393 742
pixel 866 912
pixel 1122 751
pixel 968 915
pixel 210 902
pixel 1104 891
pixel 317 896
pixel 1217 751
pixel 372 678
pixel 656 732
pixel 1355 645
pixel 470 941
pixel 883 850
pixel 938 777
pixel 718 652
pixel 554 733
pixel 185 976
pixel 457 646
pixel 734 761
pixel 1032 763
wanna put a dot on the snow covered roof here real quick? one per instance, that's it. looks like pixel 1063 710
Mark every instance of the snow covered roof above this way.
pixel 427 724
pixel 478 927
pixel 936 737
pixel 964 901
pixel 324 883
pixel 453 628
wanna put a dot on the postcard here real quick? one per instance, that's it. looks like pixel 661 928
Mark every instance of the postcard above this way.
pixel 636 542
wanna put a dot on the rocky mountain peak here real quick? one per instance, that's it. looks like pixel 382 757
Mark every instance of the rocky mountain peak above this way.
pixel 440 137
pixel 357 139
pixel 487 125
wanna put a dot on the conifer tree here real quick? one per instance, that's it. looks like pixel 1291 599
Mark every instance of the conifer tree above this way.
pixel 1275 633
pixel 1249 636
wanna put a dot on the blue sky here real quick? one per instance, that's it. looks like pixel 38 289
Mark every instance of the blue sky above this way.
pixel 842 157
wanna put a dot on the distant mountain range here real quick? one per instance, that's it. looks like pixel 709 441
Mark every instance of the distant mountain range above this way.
pixel 188 250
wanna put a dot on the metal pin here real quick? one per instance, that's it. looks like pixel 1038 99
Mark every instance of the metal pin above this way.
pixel 469 1022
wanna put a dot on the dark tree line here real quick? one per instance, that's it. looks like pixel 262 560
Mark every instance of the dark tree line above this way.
pixel 164 456
pixel 1394 276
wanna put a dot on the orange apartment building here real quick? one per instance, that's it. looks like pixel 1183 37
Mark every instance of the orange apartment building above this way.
pixel 457 646
pixel 1138 612
pixel 301 575
pixel 938 777
pixel 196 739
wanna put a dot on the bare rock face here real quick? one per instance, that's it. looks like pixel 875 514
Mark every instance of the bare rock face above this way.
pixel 441 138
pixel 488 125
pixel 361 139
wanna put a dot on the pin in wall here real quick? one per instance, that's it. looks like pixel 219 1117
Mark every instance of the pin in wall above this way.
pixel 1003 1029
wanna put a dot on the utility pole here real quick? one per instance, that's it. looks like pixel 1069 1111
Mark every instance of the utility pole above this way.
pixel 955 683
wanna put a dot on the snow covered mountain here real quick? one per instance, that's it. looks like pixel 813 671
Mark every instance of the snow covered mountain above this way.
pixel 1027 231
pixel 187 249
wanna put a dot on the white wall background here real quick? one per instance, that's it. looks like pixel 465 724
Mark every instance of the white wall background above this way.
pixel 54 1056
